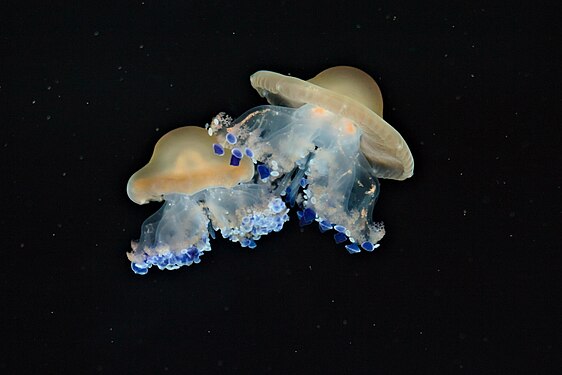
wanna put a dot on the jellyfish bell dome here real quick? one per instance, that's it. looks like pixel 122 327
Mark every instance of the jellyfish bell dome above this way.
pixel 183 162
pixel 350 93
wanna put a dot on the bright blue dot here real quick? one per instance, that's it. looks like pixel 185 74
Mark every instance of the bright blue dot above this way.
pixel 249 153
pixel 139 270
pixel 263 171
pixel 324 225
pixel 340 237
pixel 231 138
pixel 339 228
pixel 193 254
pixel 368 246
pixel 234 161
pixel 218 149
pixel 352 248
pixel 236 152
pixel 303 182
pixel 308 217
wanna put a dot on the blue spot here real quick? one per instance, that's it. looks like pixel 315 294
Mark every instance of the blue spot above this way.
pixel 308 217
pixel 299 214
pixel 368 246
pixel 231 138
pixel 139 270
pixel 236 152
pixel 252 244
pixel 193 254
pixel 218 149
pixel 234 161
pixel 339 228
pixel 340 237
pixel 324 225
pixel 263 171
pixel 303 182
pixel 352 248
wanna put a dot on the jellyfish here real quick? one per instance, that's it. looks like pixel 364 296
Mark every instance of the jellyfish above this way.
pixel 319 147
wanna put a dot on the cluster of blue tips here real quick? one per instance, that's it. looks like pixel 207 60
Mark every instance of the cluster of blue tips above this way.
pixel 256 225
pixel 306 217
pixel 168 261
pixel 236 153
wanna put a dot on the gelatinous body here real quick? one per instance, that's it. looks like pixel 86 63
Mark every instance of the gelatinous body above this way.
pixel 239 178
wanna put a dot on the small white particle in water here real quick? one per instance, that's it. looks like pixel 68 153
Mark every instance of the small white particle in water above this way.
pixel 96 33
pixel 48 117
pixel 141 46
pixel 49 87
pixel 33 102
pixel 63 174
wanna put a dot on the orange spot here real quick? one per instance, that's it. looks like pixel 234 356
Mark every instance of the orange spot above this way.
pixel 349 127
pixel 318 111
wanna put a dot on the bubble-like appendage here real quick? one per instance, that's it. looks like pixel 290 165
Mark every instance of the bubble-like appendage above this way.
pixel 312 158
pixel 175 236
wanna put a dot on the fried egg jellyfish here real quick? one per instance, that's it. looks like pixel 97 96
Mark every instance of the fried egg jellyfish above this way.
pixel 320 147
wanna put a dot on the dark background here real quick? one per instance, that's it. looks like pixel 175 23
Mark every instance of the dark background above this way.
pixel 467 279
